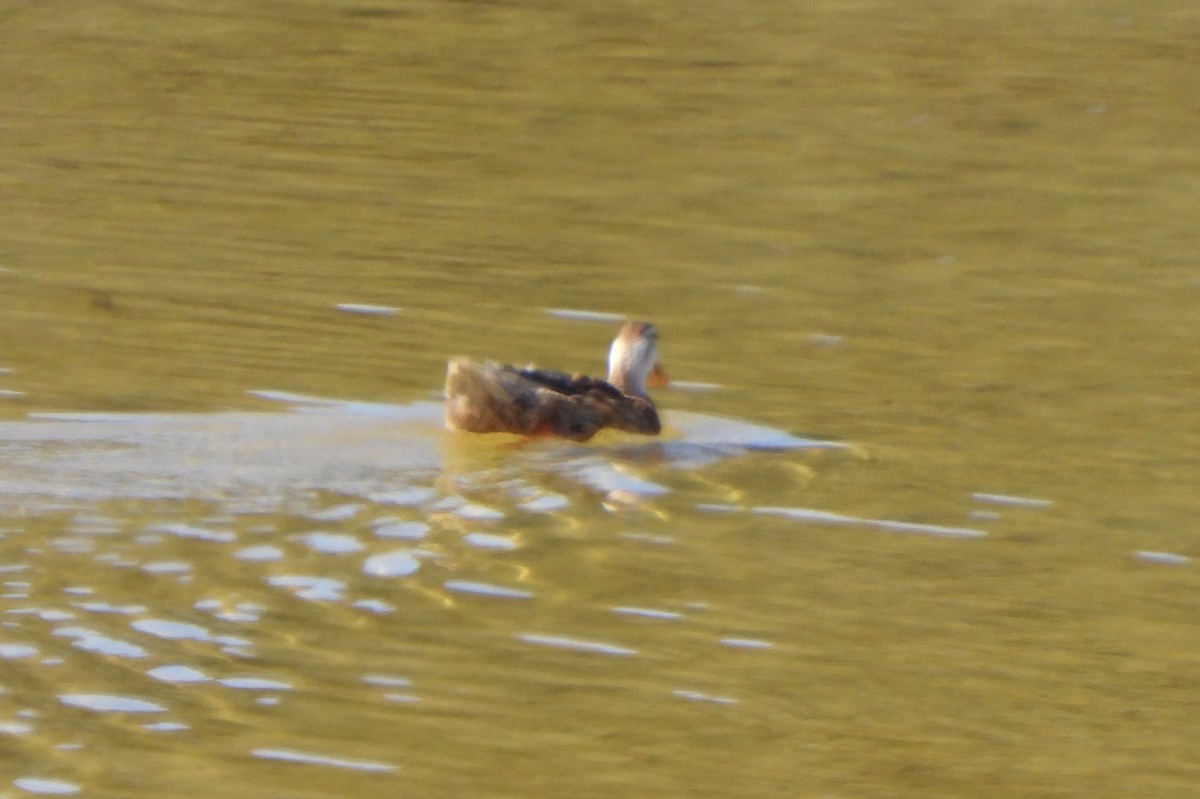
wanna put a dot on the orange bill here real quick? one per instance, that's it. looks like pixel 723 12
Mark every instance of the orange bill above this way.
pixel 658 377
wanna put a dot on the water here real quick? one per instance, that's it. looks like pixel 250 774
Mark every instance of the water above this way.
pixel 238 553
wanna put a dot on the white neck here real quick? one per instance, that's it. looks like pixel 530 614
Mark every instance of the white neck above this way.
pixel 629 365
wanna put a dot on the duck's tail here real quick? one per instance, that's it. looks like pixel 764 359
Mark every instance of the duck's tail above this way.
pixel 481 398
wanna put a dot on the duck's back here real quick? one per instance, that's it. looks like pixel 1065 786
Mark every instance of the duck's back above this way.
pixel 494 398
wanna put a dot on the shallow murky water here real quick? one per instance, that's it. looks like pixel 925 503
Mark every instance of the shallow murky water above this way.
pixel 924 519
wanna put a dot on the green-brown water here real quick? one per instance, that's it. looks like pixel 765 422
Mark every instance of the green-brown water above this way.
pixel 962 238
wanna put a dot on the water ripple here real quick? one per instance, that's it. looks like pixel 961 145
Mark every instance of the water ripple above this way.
pixel 488 541
pixel 178 673
pixel 582 315
pixel 17 651
pixel 93 641
pixel 392 528
pixel 366 309
pixel 255 684
pixel 398 563
pixel 45 614
pixel 546 503
pixel 293 756
pixel 1005 499
pixel 697 696
pixel 747 643
pixel 827 517
pixel 486 589
pixel 332 543
pixel 576 644
pixel 318 589
pixel 110 703
pixel 1165 558
pixel 189 531
pixel 171 630
pixel 107 607
pixel 259 553
pixel 648 613
pixel 47 787
pixel 387 681
pixel 374 606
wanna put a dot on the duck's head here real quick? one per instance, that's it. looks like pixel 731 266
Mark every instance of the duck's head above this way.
pixel 633 359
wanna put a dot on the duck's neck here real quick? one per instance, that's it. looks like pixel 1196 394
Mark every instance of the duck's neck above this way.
pixel 632 356
pixel 624 373
pixel 627 383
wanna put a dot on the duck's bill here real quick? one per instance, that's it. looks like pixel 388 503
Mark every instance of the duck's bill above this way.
pixel 658 377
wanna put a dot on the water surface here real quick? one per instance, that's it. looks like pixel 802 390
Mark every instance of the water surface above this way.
pixel 958 240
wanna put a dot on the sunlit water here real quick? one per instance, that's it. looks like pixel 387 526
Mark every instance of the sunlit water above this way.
pixel 923 521
pixel 193 564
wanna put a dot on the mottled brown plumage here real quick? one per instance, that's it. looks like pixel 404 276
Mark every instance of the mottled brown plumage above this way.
pixel 490 397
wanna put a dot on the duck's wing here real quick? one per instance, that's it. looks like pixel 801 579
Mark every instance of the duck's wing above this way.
pixel 563 383
pixel 627 412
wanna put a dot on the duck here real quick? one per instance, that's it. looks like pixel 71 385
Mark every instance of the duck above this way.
pixel 488 397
